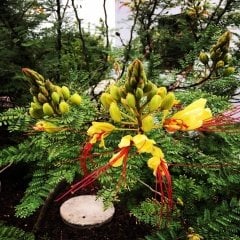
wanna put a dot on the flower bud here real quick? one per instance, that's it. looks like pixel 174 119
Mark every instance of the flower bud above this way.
pixel 75 99
pixel 131 101
pixel 41 98
pixel 203 57
pixel 152 92
pixel 55 97
pixel 168 101
pixel 228 71
pixel 106 99
pixel 155 103
pixel 227 58
pixel 36 106
pixel 35 113
pixel 147 123
pixel 49 85
pixel 115 92
pixel 162 91
pixel 63 107
pixel 34 90
pixel 139 93
pixel 220 64
pixel 115 112
pixel 65 92
pixel 47 109
pixel 44 91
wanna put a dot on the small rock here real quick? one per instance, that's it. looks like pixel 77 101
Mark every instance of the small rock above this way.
pixel 85 211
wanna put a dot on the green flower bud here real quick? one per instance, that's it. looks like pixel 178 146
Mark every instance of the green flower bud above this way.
pixel 64 107
pixel 41 98
pixel 36 106
pixel 106 99
pixel 227 58
pixel 131 101
pixel 155 103
pixel 44 91
pixel 162 91
pixel 115 112
pixel 152 92
pixel 168 101
pixel 55 97
pixel 33 90
pixel 147 123
pixel 75 99
pixel 115 92
pixel 47 109
pixel 203 57
pixel 139 93
pixel 220 64
pixel 35 113
pixel 228 71
pixel 65 92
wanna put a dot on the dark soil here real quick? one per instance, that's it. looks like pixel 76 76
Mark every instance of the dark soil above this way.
pixel 14 182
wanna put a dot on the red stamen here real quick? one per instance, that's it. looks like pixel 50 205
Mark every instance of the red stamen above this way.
pixel 83 158
pixel 223 122
pixel 90 178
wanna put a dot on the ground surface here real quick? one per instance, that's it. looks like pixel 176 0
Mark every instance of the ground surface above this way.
pixel 123 225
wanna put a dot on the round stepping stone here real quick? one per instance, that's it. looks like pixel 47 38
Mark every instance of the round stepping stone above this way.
pixel 85 211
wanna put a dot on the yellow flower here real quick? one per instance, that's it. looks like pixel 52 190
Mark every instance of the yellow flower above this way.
pixel 143 143
pixel 156 159
pixel 125 141
pixel 98 131
pixel 190 118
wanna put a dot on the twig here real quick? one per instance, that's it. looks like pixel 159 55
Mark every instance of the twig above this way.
pixel 149 187
pixel 9 165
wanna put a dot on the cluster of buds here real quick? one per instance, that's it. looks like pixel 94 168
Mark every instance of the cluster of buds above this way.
pixel 196 10
pixel 48 99
pixel 137 100
pixel 219 57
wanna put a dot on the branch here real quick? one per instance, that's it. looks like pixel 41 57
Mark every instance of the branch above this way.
pixel 106 23
pixel 85 52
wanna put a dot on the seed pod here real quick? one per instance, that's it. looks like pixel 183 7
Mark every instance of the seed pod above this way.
pixel 220 64
pixel 139 93
pixel 47 109
pixel 64 107
pixel 41 98
pixel 131 101
pixel 115 112
pixel 65 92
pixel 155 103
pixel 34 113
pixel 203 57
pixel 162 91
pixel 115 92
pixel 75 99
pixel 168 101
pixel 147 123
pixel 44 91
pixel 228 71
pixel 55 97
pixel 106 99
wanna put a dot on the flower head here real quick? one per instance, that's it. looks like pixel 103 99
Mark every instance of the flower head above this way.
pixel 190 118
pixel 98 131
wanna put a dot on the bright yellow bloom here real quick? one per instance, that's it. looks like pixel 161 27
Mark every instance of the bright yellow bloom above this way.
pixel 125 141
pixel 143 143
pixel 98 131
pixel 190 118
pixel 156 159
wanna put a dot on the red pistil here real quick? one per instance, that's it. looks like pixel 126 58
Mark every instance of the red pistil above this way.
pixel 83 158
pixel 165 185
pixel 223 122
pixel 90 178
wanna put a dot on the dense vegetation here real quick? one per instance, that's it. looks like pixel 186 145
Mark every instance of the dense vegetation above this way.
pixel 194 54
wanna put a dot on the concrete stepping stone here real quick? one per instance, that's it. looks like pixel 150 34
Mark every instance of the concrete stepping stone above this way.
pixel 86 211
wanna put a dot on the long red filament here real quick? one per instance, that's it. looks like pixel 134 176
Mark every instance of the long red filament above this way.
pixel 90 178
pixel 223 122
pixel 83 158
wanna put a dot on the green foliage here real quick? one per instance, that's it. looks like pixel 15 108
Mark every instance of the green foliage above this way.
pixel 13 233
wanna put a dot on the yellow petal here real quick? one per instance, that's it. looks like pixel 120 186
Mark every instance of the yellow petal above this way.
pixel 125 141
pixel 118 162
pixel 153 163
pixel 143 144
pixel 157 152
